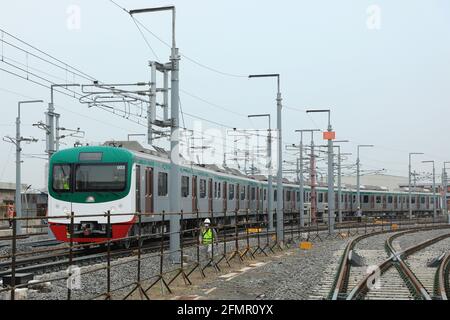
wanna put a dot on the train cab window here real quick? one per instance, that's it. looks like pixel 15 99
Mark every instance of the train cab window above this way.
pixel 202 188
pixel 162 184
pixel 184 186
pixel 275 195
pixel 231 192
pixel 365 199
pixel 253 193
pixel 61 178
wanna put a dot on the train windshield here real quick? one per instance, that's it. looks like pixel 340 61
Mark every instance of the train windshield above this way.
pixel 100 177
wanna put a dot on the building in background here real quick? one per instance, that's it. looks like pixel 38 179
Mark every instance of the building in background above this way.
pixel 34 202
pixel 385 181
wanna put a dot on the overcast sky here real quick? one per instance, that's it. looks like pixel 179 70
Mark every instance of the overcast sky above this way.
pixel 382 67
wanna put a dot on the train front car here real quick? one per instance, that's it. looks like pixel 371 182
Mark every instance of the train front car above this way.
pixel 90 181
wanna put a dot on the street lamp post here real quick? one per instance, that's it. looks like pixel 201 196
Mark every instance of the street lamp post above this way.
pixel 269 169
pixel 358 175
pixel 175 177
pixel 409 182
pixel 18 140
pixel 280 195
pixel 434 188
pixel 329 135
pixel 301 203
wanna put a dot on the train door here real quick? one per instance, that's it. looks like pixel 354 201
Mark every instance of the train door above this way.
pixel 138 188
pixel 210 195
pixel 225 196
pixel 384 201
pixel 238 196
pixel 372 202
pixel 149 207
pixel 194 194
pixel 395 199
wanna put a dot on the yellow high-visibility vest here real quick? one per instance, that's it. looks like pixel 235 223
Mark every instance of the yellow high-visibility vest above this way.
pixel 207 236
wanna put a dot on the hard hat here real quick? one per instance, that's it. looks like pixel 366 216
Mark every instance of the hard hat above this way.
pixel 207 221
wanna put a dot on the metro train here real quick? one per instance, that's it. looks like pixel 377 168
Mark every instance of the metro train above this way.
pixel 125 178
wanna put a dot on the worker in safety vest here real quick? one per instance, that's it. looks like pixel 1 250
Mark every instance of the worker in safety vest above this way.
pixel 10 214
pixel 208 237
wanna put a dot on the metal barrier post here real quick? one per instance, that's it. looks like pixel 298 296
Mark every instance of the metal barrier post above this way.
pixel 108 252
pixel 247 249
pixel 224 233
pixel 197 234
pixel 69 290
pixel 138 282
pixel 13 259
pixel 181 269
pixel 160 277
pixel 236 252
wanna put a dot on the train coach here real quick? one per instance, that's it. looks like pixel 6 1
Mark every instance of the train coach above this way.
pixel 124 178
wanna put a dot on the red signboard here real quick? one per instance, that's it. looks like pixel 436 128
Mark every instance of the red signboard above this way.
pixel 329 135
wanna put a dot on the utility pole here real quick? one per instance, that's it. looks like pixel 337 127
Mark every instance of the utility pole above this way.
pixel 445 188
pixel 339 177
pixel 434 188
pixel 330 136
pixel 175 177
pixel 301 203
pixel 409 182
pixel 269 169
pixel 51 115
pixel 358 174
pixel 280 195
pixel 17 141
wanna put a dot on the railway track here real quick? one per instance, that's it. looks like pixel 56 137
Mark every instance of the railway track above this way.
pixel 391 277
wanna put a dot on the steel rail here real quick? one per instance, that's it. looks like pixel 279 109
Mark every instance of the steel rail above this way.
pixel 362 287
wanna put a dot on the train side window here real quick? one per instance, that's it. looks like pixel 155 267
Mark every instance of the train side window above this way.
pixel 243 193
pixel 202 188
pixel 253 193
pixel 275 196
pixel 422 199
pixel 288 196
pixel 389 199
pixel 162 184
pixel 215 189
pixel 231 192
pixel 378 199
pixel 365 199
pixel 184 186
pixel 265 194
pixel 320 197
pixel 218 189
